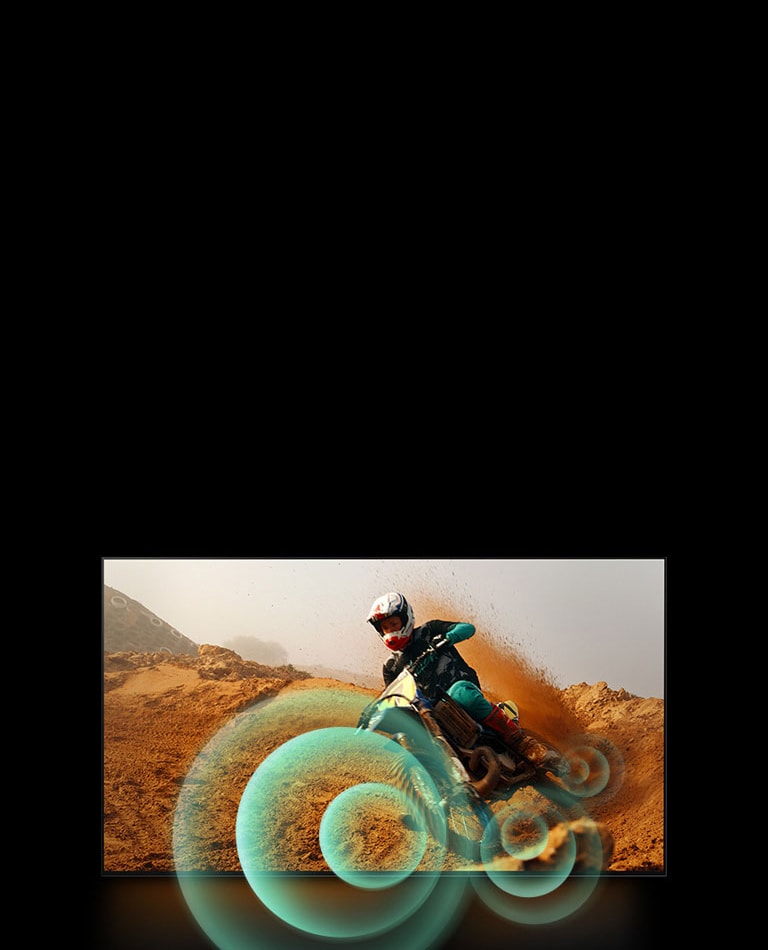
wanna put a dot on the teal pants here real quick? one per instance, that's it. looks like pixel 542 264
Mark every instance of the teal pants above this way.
pixel 469 696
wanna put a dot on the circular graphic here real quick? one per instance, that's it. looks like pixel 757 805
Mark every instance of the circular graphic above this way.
pixel 524 836
pixel 545 908
pixel 233 918
pixel 530 855
pixel 312 815
pixel 596 767
pixel 344 831
pixel 503 836
pixel 272 833
pixel 358 782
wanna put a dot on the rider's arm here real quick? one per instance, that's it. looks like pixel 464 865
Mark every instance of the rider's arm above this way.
pixel 389 670
pixel 459 632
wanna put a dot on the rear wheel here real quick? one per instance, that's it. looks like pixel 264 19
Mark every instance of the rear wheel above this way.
pixel 549 758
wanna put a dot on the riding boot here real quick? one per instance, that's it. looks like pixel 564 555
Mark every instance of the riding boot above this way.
pixel 510 731
pixel 504 725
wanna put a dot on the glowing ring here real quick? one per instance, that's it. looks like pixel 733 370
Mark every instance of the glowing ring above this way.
pixel 596 767
pixel 266 821
pixel 530 896
pixel 310 903
pixel 543 909
pixel 496 846
pixel 342 835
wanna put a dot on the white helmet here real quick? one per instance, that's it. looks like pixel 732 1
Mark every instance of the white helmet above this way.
pixel 392 605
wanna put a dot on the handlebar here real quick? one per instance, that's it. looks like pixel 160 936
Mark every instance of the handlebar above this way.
pixel 419 658
pixel 433 648
pixel 412 667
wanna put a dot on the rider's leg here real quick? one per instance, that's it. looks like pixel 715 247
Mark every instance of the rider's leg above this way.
pixel 501 717
pixel 470 698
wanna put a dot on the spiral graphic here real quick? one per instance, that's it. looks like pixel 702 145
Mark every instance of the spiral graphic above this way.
pixel 357 777
pixel 329 758
pixel 525 827
pixel 596 767
pixel 343 835
pixel 368 790
pixel 536 909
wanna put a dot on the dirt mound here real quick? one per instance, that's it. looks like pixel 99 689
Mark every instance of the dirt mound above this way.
pixel 160 710
pixel 632 731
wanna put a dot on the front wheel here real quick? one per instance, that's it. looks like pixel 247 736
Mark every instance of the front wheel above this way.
pixel 467 817
pixel 458 817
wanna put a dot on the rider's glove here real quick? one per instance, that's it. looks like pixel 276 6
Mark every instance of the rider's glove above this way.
pixel 459 632
pixel 389 670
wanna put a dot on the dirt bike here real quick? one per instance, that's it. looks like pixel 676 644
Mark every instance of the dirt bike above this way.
pixel 471 766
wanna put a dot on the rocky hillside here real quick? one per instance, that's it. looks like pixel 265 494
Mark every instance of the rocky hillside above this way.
pixel 128 625
pixel 161 707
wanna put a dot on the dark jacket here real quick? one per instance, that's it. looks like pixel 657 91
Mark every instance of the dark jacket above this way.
pixel 442 669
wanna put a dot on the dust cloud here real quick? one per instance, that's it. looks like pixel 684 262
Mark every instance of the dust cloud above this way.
pixel 505 671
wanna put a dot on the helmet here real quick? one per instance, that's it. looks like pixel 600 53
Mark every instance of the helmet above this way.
pixel 392 605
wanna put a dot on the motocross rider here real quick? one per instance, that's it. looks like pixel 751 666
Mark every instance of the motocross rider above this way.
pixel 392 618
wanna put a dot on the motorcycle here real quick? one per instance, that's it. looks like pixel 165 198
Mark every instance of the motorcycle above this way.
pixel 471 766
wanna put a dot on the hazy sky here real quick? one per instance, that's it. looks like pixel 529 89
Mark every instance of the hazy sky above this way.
pixel 583 620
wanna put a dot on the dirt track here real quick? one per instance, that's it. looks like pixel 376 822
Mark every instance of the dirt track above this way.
pixel 160 711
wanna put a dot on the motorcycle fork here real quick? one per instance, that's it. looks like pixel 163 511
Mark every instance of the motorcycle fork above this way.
pixel 460 774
